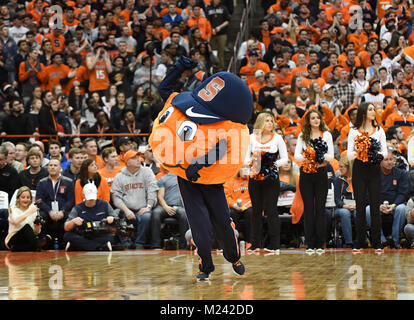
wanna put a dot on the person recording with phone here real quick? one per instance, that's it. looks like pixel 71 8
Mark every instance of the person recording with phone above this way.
pixel 99 67
pixel 25 225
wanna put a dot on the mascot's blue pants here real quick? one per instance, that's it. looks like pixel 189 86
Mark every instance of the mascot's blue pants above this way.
pixel 208 213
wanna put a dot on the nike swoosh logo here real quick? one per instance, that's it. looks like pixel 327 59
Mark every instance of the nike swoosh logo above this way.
pixel 189 112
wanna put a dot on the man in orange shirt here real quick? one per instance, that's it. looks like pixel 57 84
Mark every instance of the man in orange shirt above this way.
pixel 301 69
pixel 57 40
pixel 198 21
pixel 313 76
pixel 111 167
pixel 365 55
pixel 283 77
pixel 29 72
pixel 402 117
pixel 77 76
pixel 327 73
pixel 91 148
pixel 252 66
pixel 124 145
pixel 53 73
pixel 69 20
pixel 351 62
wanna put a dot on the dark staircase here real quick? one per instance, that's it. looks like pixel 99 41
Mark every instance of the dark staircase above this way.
pixel 234 27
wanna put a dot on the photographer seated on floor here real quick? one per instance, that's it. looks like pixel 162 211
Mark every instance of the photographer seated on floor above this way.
pixel 79 227
pixel 25 224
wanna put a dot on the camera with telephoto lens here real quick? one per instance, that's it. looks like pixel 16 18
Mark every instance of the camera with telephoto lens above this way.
pixel 118 226
pixel 39 219
pixel 171 244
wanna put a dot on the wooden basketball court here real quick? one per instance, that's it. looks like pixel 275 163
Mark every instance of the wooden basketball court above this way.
pixel 170 275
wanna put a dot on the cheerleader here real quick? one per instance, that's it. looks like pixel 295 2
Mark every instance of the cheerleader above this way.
pixel 367 145
pixel 264 184
pixel 313 149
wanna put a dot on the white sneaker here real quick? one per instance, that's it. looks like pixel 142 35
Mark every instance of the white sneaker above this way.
pixel 109 245
pixel 67 246
pixel 379 250
pixel 310 251
pixel 320 251
pixel 268 251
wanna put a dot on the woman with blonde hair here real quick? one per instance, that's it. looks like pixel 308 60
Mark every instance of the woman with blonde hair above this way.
pixel 289 119
pixel 314 149
pixel 266 153
pixel 344 199
pixel 287 173
pixel 24 229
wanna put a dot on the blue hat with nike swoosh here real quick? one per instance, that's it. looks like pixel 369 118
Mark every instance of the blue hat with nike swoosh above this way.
pixel 222 96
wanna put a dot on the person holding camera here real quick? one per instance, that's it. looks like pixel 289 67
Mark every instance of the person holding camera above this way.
pixel 25 225
pixel 77 235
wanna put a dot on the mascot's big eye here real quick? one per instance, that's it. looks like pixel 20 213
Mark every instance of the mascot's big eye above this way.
pixel 166 115
pixel 187 131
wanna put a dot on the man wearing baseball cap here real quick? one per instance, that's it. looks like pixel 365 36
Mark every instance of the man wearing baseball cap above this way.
pixel 253 65
pixel 134 192
pixel 81 218
pixel 258 84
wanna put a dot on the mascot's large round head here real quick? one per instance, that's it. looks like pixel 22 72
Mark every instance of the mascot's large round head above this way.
pixel 193 125
pixel 222 96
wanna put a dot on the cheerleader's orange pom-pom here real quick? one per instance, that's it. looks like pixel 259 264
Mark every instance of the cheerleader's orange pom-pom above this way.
pixel 362 146
pixel 310 166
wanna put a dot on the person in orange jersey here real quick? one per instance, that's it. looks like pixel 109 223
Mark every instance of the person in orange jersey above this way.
pixel 89 174
pixel 57 40
pixel 99 67
pixel 237 194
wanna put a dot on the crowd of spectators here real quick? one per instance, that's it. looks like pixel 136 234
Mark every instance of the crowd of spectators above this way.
pixel 92 68
pixel 332 56
pixel 95 69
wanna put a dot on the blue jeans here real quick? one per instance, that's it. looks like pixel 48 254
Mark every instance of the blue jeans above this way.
pixel 397 225
pixel 346 225
pixel 142 226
